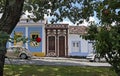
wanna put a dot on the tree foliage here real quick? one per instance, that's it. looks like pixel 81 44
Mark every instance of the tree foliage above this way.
pixel 107 37
pixel 74 10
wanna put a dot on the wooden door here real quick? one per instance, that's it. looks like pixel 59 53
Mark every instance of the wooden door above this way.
pixel 51 46
pixel 61 46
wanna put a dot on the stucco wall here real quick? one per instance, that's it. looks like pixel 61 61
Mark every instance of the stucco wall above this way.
pixel 26 28
pixel 83 45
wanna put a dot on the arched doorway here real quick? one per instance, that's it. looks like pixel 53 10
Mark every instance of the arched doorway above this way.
pixel 51 46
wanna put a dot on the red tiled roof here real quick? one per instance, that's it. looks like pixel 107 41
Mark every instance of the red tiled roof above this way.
pixel 77 29
pixel 72 29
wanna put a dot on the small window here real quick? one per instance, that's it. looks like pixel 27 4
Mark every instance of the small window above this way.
pixel 73 44
pixel 77 44
pixel 34 35
pixel 18 35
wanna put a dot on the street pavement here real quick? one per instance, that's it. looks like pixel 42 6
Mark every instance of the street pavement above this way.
pixel 56 61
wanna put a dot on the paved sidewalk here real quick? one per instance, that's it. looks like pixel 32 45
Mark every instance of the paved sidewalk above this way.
pixel 55 61
pixel 62 58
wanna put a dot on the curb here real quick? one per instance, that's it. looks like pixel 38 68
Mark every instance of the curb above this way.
pixel 61 58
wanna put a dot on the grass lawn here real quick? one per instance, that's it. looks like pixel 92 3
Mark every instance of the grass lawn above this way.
pixel 33 70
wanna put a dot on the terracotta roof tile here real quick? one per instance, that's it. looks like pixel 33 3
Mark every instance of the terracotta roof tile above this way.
pixel 77 29
pixel 72 29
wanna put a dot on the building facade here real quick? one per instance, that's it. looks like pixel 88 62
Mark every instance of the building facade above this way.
pixel 30 30
pixel 58 40
pixel 77 45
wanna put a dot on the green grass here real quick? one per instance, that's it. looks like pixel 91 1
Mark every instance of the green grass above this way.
pixel 33 70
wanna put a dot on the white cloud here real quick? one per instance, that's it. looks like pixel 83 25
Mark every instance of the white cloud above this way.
pixel 66 22
pixel 1 15
pixel 91 19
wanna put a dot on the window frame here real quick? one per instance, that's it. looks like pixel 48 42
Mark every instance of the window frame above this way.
pixel 34 43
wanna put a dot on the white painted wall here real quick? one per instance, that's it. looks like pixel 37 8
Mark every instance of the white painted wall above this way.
pixel 26 35
pixel 75 37
pixel 85 46
pixel 43 38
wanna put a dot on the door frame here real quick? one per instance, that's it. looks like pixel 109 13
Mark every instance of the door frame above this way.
pixel 48 44
pixel 65 45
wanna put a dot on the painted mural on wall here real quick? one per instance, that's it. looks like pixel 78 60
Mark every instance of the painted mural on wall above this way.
pixel 32 31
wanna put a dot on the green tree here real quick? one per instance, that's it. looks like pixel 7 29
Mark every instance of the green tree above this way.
pixel 106 35
pixel 74 10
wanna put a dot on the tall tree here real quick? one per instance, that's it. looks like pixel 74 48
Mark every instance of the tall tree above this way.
pixel 12 10
pixel 107 11
pixel 107 35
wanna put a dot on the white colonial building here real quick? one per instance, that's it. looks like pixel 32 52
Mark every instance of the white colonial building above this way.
pixel 77 45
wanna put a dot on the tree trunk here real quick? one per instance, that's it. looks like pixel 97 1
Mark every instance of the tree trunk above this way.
pixel 8 21
pixel 117 71
pixel 2 57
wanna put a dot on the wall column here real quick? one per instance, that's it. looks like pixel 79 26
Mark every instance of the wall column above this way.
pixel 26 35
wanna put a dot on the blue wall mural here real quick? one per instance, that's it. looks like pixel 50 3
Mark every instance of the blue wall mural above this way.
pixel 31 31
